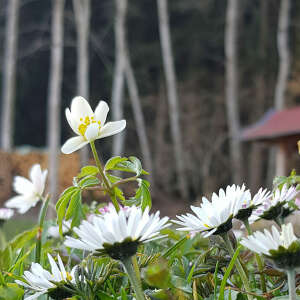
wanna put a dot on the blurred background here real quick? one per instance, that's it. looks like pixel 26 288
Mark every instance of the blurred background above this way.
pixel 209 89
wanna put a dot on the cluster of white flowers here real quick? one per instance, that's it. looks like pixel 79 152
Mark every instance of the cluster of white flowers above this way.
pixel 119 233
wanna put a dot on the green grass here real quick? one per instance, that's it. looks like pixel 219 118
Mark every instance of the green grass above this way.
pixel 15 226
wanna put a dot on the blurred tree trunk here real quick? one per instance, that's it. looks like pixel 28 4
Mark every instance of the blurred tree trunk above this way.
pixel 123 69
pixel 138 116
pixel 118 80
pixel 82 19
pixel 54 94
pixel 168 62
pixel 256 155
pixel 9 74
pixel 276 156
pixel 284 54
pixel 232 106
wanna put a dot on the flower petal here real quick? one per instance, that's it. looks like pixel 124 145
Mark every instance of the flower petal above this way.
pixel 73 144
pixel 80 108
pixel 21 203
pixel 37 178
pixel 112 128
pixel 22 185
pixel 73 124
pixel 101 112
pixel 92 132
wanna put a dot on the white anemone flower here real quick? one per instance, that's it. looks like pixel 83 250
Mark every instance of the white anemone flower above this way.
pixel 89 125
pixel 272 207
pixel 30 191
pixel 283 248
pixel 216 216
pixel 118 234
pixel 40 281
pixel 6 213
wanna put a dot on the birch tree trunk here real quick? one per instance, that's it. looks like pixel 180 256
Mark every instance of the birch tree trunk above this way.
pixel 231 81
pixel 118 81
pixel 138 116
pixel 256 155
pixel 283 73
pixel 123 69
pixel 82 19
pixel 9 74
pixel 54 93
pixel 283 52
pixel 168 62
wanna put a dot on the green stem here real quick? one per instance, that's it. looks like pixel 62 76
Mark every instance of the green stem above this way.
pixel 259 260
pixel 139 294
pixel 42 216
pixel 238 265
pixel 291 282
pixel 104 178
pixel 133 178
pixel 2 239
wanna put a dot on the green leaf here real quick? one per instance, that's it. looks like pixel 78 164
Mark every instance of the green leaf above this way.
pixel 172 249
pixel 227 273
pixel 104 296
pixel 66 193
pixel 88 171
pixel 62 204
pixel 131 164
pixel 73 205
pixel 11 292
pixel 111 163
pixel 89 181
pixel 123 294
pixel 142 196
pixel 21 239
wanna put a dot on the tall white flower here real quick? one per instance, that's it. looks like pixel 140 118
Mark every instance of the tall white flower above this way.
pixel 6 214
pixel 283 248
pixel 118 234
pixel 89 125
pixel 29 191
pixel 272 207
pixel 214 217
pixel 40 281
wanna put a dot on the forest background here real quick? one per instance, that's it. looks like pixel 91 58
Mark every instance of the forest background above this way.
pixel 187 76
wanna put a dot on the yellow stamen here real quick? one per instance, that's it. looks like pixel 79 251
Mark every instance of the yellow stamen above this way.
pixel 84 124
pixel 206 226
pixel 69 277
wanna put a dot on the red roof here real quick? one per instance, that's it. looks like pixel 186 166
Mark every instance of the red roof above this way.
pixel 274 124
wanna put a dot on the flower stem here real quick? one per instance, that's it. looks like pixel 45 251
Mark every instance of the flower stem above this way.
pixel 42 216
pixel 104 178
pixel 133 279
pixel 238 265
pixel 259 260
pixel 291 282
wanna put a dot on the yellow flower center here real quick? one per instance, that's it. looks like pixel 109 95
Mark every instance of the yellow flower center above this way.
pixel 206 226
pixel 84 123
pixel 69 277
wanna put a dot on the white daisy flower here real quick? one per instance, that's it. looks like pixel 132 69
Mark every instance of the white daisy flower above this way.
pixel 30 191
pixel 40 281
pixel 214 217
pixel 118 234
pixel 283 248
pixel 249 203
pixel 6 214
pixel 89 125
pixel 272 207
